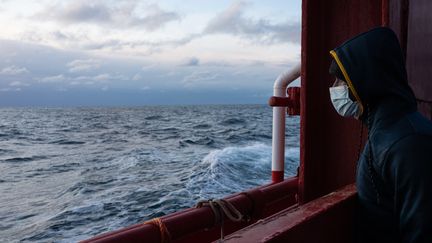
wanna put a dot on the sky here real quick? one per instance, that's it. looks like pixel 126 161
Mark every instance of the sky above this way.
pixel 132 53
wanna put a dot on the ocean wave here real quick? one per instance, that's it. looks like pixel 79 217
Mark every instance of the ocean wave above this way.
pixel 234 169
pixel 197 141
pixel 25 159
pixel 232 121
pixel 67 142
pixel 150 161
pixel 155 117
pixel 202 126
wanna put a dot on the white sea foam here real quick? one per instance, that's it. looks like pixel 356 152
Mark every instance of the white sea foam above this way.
pixel 233 169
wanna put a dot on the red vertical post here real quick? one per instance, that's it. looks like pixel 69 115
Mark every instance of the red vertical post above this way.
pixel 294 97
pixel 385 12
pixel 328 142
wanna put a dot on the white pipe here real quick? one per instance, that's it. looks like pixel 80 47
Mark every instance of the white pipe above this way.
pixel 279 113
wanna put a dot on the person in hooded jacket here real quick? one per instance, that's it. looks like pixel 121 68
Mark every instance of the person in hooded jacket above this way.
pixel 394 171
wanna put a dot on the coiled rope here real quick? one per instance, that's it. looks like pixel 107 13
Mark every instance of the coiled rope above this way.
pixel 164 233
pixel 221 208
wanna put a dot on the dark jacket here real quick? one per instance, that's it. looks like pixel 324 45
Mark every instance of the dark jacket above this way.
pixel 394 172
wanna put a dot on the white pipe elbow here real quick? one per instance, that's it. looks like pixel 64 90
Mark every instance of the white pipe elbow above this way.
pixel 285 79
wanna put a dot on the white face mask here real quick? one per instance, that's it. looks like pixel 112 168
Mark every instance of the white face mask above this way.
pixel 342 103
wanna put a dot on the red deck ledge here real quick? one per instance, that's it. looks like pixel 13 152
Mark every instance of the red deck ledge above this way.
pixel 197 224
pixel 326 219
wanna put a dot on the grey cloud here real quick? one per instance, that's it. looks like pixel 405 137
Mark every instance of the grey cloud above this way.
pixel 136 77
pixel 67 36
pixel 53 79
pixel 96 79
pixel 152 46
pixel 10 89
pixel 155 18
pixel 52 76
pixel 83 65
pixel 99 78
pixel 198 78
pixel 107 44
pixel 232 21
pixel 123 14
pixel 149 66
pixel 18 84
pixel 13 70
pixel 59 35
pixel 193 61
pixel 85 12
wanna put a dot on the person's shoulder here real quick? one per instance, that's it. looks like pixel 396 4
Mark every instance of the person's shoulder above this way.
pixel 415 134
pixel 413 141
pixel 410 134
pixel 410 125
pixel 387 136
pixel 419 123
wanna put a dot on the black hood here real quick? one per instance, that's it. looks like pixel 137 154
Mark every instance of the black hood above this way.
pixel 373 65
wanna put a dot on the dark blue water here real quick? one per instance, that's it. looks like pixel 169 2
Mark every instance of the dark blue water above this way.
pixel 68 174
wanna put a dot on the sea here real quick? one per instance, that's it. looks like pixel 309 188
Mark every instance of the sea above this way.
pixel 68 174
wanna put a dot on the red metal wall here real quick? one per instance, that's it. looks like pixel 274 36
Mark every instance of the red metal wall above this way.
pixel 419 52
pixel 329 143
pixel 411 21
pixel 332 142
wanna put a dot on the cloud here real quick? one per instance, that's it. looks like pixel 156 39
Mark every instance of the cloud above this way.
pixel 53 79
pixel 103 77
pixel 232 21
pixel 100 78
pixel 61 89
pixel 199 78
pixel 193 61
pixel 155 18
pixel 183 84
pixel 116 18
pixel 84 12
pixel 18 84
pixel 122 14
pixel 13 70
pixel 10 89
pixel 149 66
pixel 136 77
pixel 83 65
pixel 147 47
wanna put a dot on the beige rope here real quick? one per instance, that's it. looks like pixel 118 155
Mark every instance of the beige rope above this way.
pixel 164 233
pixel 221 207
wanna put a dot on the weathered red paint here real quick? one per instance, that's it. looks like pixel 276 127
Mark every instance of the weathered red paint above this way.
pixel 276 101
pixel 277 176
pixel 411 22
pixel 419 53
pixel 398 20
pixel 292 102
pixel 329 144
pixel 384 12
pixel 197 224
pixel 327 219
pixel 294 96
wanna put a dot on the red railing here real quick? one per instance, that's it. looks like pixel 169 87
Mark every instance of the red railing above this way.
pixel 197 224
